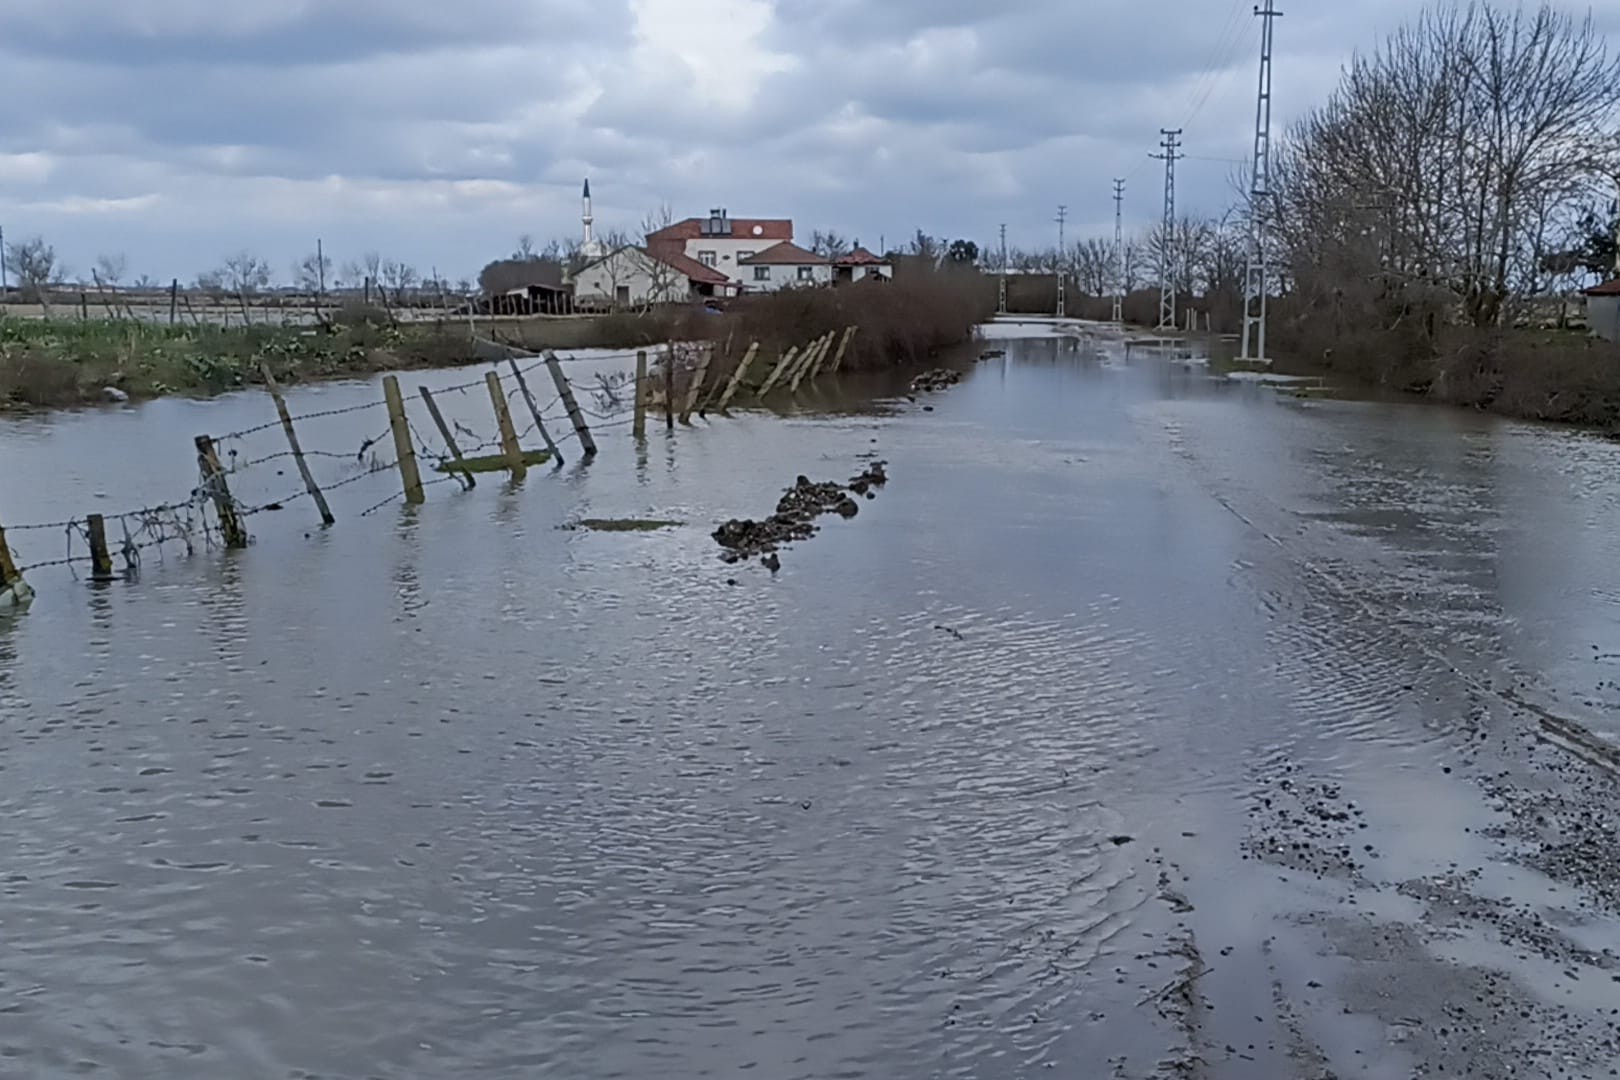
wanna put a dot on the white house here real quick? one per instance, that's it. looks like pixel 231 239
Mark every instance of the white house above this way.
pixel 640 277
pixel 861 264
pixel 784 266
pixel 722 243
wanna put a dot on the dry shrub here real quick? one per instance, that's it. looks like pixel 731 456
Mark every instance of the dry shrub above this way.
pixel 902 322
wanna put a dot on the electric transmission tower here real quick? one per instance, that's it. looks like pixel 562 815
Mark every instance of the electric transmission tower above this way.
pixel 1001 300
pixel 1062 257
pixel 1255 284
pixel 1119 251
pixel 1167 285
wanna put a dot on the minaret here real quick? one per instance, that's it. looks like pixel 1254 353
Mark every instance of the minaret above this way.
pixel 588 246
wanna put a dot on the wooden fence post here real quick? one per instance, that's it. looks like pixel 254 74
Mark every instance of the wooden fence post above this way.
pixel 812 357
pixel 503 420
pixel 404 450
pixel 566 392
pixel 776 373
pixel 101 566
pixel 737 376
pixel 697 385
pixel 534 410
pixel 449 439
pixel 669 387
pixel 297 450
pixel 213 476
pixel 640 428
pixel 14 591
pixel 84 306
pixel 849 336
pixel 174 300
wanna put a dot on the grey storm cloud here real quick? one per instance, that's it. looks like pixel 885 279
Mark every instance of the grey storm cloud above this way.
pixel 178 130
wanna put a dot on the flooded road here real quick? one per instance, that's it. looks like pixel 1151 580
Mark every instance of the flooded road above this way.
pixel 1145 725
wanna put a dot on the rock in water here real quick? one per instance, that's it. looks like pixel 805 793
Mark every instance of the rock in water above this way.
pixel 112 393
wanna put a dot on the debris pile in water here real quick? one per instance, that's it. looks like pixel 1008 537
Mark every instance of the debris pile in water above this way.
pixel 796 514
pixel 938 379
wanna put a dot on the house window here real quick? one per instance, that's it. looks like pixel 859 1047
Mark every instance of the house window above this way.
pixel 807 273
pixel 707 258
pixel 762 273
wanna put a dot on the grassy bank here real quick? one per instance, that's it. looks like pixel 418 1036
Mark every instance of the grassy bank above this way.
pixel 68 362
pixel 1556 376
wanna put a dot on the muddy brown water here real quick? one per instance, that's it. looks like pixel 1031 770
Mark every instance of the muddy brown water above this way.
pixel 1146 724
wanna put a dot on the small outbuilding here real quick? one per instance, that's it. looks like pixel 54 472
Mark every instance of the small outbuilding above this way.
pixel 861 264
pixel 1603 310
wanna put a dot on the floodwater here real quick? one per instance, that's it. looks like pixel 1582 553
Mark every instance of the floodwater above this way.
pixel 1146 724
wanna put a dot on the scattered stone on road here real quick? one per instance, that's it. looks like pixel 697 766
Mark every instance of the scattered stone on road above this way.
pixel 796 513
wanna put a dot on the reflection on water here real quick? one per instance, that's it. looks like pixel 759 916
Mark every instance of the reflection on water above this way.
pixel 453 791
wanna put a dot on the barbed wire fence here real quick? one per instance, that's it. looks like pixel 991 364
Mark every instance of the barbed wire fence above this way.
pixel 210 515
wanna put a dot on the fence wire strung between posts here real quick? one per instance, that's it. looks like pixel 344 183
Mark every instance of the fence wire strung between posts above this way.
pixel 211 515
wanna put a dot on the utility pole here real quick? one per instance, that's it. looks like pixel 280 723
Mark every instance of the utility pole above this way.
pixel 1255 284
pixel 1167 286
pixel 1062 272
pixel 1119 251
pixel 320 270
pixel 1001 302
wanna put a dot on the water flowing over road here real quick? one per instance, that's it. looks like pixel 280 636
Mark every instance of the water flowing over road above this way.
pixel 1147 724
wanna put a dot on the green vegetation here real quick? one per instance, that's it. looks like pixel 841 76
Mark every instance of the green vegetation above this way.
pixel 53 362
pixel 625 524
pixel 491 462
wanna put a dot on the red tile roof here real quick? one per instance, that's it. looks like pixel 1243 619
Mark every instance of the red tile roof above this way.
pixel 1608 288
pixel 783 254
pixel 741 229
pixel 860 257
pixel 672 256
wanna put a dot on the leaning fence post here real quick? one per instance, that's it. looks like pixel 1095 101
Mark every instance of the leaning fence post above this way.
pixel 534 410
pixel 503 420
pixel 811 358
pixel 409 475
pixel 449 439
pixel 737 376
pixel 101 566
pixel 669 387
pixel 849 336
pixel 776 373
pixel 14 591
pixel 213 476
pixel 566 392
pixel 640 428
pixel 697 385
pixel 297 450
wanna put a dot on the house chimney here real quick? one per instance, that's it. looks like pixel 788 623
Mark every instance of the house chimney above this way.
pixel 718 225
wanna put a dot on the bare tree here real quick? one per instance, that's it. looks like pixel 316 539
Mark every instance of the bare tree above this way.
pixel 110 269
pixel 312 273
pixel 399 277
pixel 525 248
pixel 829 245
pixel 244 274
pixel 666 281
pixel 34 263
pixel 1445 164
pixel 367 268
pixel 1094 266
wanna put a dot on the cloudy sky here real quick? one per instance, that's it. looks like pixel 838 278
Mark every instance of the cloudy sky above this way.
pixel 179 131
